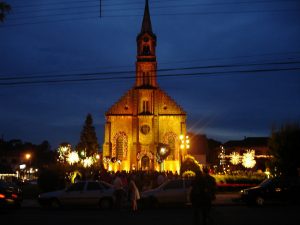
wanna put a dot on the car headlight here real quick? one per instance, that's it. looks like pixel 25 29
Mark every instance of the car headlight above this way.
pixel 245 192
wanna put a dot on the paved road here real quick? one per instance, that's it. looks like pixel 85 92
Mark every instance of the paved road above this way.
pixel 221 199
pixel 223 215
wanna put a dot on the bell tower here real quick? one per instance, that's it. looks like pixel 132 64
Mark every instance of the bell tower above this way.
pixel 146 64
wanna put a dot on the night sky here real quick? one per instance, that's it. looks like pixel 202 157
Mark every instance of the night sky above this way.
pixel 236 64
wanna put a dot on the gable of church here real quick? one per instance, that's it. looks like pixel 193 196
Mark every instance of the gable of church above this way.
pixel 124 106
pixel 168 106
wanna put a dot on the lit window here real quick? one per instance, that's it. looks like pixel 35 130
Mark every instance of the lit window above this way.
pixel 145 106
pixel 119 148
pixel 171 143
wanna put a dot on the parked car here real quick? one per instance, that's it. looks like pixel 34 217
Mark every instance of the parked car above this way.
pixel 10 195
pixel 170 192
pixel 274 190
pixel 82 193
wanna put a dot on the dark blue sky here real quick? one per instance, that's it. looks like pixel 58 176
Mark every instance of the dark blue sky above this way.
pixel 52 37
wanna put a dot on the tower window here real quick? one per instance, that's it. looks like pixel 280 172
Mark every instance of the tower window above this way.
pixel 146 50
pixel 145 106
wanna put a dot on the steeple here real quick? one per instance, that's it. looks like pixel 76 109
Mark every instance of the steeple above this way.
pixel 146 57
pixel 146 25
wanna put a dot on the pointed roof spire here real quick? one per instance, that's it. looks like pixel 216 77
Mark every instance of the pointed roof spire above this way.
pixel 146 25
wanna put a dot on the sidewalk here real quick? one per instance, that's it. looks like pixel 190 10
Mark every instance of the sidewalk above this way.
pixel 227 199
pixel 221 200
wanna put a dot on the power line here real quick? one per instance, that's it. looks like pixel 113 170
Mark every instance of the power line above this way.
pixel 210 13
pixel 231 72
pixel 51 21
pixel 130 9
pixel 154 7
pixel 141 3
pixel 289 55
pixel 56 9
pixel 159 70
pixel 58 14
pixel 50 4
pixel 198 74
pixel 160 14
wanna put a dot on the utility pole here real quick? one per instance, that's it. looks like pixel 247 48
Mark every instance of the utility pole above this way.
pixel 100 8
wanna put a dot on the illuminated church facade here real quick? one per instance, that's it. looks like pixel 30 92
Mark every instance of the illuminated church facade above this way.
pixel 144 118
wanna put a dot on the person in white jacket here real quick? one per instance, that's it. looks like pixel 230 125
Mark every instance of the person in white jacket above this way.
pixel 134 193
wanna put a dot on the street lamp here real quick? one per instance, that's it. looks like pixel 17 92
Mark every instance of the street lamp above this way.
pixel 184 145
pixel 28 158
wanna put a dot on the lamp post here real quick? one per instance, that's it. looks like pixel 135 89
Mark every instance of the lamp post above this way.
pixel 184 145
pixel 28 158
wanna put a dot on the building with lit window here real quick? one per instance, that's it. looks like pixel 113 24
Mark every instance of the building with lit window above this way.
pixel 145 117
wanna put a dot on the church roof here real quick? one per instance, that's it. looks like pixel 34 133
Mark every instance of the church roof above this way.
pixel 127 104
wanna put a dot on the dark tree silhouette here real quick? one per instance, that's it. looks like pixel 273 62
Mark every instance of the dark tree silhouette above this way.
pixel 284 145
pixel 88 139
pixel 4 9
pixel 189 164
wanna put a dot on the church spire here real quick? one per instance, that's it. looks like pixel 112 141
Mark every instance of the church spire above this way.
pixel 146 25
pixel 146 57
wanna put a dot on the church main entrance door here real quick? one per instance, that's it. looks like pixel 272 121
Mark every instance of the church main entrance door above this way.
pixel 145 163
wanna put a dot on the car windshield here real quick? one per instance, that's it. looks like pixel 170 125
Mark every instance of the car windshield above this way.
pixel 174 184
pixel 76 187
pixel 265 182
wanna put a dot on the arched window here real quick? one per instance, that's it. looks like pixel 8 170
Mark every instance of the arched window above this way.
pixel 119 148
pixel 146 106
pixel 146 50
pixel 171 143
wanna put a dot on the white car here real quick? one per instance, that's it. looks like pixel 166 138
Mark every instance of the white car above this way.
pixel 82 193
pixel 170 192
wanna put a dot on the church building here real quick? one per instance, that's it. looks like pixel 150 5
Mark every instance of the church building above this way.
pixel 145 119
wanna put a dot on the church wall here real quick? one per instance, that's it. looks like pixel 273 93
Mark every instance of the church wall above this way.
pixel 120 124
pixel 145 135
pixel 171 125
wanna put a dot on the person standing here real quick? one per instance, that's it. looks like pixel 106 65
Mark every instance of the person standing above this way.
pixel 134 194
pixel 210 193
pixel 201 196
pixel 118 190
pixel 197 196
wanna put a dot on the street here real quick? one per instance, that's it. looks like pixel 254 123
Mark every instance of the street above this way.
pixel 223 215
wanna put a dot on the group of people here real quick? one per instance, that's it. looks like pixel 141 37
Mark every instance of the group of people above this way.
pixel 202 192
pixel 120 191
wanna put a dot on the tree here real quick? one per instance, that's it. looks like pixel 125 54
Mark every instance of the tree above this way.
pixel 4 9
pixel 88 139
pixel 190 164
pixel 284 146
